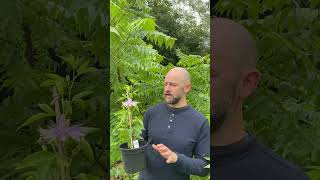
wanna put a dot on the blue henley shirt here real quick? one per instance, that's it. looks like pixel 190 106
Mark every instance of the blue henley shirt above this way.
pixel 184 131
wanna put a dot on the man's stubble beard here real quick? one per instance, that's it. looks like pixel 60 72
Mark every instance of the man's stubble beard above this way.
pixel 223 110
pixel 175 99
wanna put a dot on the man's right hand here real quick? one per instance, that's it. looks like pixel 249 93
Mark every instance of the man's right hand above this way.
pixel 165 152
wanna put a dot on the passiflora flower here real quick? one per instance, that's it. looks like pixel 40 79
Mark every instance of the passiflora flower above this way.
pixel 61 131
pixel 129 103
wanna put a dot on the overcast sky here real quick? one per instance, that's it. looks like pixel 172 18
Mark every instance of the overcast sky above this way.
pixel 185 7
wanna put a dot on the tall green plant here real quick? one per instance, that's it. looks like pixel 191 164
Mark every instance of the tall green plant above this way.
pixel 129 122
pixel 34 34
pixel 61 141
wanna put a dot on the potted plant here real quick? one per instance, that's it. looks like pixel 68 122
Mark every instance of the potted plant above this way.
pixel 129 128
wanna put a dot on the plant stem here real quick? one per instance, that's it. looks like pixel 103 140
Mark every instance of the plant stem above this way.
pixel 56 98
pixel 73 78
pixel 66 164
pixel 75 151
pixel 130 119
pixel 62 165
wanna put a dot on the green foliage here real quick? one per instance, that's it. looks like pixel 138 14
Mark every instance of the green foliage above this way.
pixel 83 176
pixel 192 36
pixel 136 62
pixel 284 111
pixel 41 165
pixel 48 43
pixel 36 118
pixel 54 134
pixel 128 124
pixel 313 172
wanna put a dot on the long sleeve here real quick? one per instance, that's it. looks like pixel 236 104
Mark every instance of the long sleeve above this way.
pixel 184 131
pixel 195 166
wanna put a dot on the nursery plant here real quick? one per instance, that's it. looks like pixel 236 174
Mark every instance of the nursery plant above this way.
pixel 63 137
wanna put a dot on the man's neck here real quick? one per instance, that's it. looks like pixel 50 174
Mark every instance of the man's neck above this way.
pixel 231 131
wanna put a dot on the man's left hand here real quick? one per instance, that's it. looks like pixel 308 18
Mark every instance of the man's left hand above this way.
pixel 165 152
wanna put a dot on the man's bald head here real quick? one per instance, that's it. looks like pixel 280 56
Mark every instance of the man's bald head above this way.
pixel 231 42
pixel 177 84
pixel 180 73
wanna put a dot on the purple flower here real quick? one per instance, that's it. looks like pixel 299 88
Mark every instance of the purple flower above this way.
pixel 129 103
pixel 61 131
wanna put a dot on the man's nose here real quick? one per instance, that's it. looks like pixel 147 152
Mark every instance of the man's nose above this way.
pixel 166 88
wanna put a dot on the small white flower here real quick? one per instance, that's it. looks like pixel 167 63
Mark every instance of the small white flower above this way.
pixel 129 103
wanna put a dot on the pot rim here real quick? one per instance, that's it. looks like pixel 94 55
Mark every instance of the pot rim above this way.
pixel 127 149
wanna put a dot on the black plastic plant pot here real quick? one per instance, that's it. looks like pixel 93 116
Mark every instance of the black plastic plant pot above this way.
pixel 134 160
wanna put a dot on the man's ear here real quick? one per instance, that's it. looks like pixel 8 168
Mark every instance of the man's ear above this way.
pixel 249 83
pixel 187 88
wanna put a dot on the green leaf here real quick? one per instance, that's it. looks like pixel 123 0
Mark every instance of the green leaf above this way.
pixel 85 69
pixel 55 77
pixel 70 61
pixel 93 130
pixel 30 178
pixel 39 165
pixel 56 80
pixel 48 83
pixel 60 86
pixel 83 176
pixel 67 108
pixel 313 168
pixel 114 31
pixel 46 108
pixel 79 103
pixel 67 78
pixel 314 174
pixel 81 95
pixel 148 24
pixel 36 118
pixel 86 149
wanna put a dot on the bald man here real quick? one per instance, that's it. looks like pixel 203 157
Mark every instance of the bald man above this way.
pixel 179 136
pixel 236 154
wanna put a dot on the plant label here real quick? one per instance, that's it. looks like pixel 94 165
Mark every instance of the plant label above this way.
pixel 135 144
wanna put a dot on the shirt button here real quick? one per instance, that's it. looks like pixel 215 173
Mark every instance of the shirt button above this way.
pixel 172 115
pixel 169 127
pixel 170 120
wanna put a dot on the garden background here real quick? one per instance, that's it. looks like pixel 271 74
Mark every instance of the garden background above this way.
pixel 147 38
pixel 54 86
pixel 53 98
pixel 285 111
pixel 63 45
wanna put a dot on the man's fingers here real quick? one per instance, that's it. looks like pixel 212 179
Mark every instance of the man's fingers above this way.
pixel 166 154
pixel 161 146
pixel 155 147
pixel 163 149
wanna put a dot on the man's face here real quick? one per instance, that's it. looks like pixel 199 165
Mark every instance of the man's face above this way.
pixel 233 77
pixel 224 95
pixel 224 79
pixel 174 88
